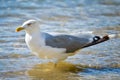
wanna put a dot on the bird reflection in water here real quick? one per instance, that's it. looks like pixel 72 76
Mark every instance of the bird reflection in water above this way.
pixel 63 71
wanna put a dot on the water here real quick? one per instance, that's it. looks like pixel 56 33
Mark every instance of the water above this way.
pixel 98 62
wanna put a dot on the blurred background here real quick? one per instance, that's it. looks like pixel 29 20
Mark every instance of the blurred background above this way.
pixel 100 17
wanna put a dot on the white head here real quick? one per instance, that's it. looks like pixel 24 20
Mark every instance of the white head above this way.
pixel 29 26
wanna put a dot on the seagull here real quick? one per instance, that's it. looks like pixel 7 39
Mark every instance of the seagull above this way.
pixel 57 47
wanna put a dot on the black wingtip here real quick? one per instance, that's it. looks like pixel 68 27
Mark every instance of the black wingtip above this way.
pixel 97 40
pixel 106 37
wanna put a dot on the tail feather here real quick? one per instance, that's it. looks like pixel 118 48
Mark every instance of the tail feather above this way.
pixel 97 40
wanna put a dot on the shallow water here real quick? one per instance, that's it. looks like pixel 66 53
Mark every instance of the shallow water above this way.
pixel 98 62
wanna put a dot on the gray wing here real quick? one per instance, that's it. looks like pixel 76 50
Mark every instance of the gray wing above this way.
pixel 71 43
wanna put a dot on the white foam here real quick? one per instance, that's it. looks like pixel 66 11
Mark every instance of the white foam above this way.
pixel 114 36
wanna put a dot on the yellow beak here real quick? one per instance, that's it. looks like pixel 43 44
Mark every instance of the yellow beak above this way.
pixel 19 29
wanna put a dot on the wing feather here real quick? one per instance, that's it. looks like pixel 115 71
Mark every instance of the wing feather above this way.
pixel 71 43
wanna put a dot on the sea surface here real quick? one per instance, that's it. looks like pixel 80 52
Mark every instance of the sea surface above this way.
pixel 99 62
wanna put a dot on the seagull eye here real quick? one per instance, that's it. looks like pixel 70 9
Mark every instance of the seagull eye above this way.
pixel 29 24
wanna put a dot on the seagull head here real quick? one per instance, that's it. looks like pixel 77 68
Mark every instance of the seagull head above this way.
pixel 29 26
